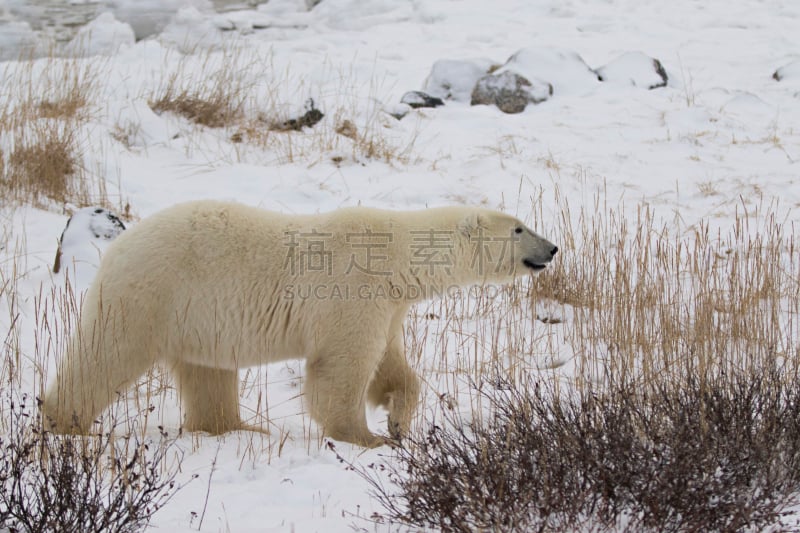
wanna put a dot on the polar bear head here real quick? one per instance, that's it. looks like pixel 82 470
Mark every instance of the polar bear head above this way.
pixel 498 247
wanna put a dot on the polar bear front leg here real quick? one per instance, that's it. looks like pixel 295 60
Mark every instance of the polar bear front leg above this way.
pixel 209 397
pixel 335 392
pixel 395 386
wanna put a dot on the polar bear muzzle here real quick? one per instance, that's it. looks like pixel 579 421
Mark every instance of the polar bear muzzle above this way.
pixel 540 251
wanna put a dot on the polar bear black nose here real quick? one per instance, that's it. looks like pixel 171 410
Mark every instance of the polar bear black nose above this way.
pixel 554 251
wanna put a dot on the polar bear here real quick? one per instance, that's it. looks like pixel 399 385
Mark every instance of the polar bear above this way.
pixel 206 288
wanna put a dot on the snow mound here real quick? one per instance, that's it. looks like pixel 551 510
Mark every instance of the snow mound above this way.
pixel 17 39
pixel 790 72
pixel 562 68
pixel 137 126
pixel 191 30
pixel 750 111
pixel 634 68
pixel 357 15
pixel 149 17
pixel 86 236
pixel 454 79
pixel 104 35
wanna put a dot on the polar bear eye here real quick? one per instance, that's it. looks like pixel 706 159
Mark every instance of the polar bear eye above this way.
pixel 517 230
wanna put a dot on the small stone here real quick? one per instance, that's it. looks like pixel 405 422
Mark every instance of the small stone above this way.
pixel 635 68
pixel 309 119
pixel 398 110
pixel 348 129
pixel 788 72
pixel 510 92
pixel 418 99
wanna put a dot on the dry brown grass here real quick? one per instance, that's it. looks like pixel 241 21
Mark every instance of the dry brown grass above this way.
pixel 240 90
pixel 44 166
pixel 42 113
pixel 343 138
pixel 213 109
pixel 645 298
pixel 214 95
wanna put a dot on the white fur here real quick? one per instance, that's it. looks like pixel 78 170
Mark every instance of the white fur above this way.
pixel 210 287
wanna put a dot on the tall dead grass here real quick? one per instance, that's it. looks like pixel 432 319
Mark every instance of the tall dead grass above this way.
pixel 643 298
pixel 212 91
pixel 44 105
pixel 259 108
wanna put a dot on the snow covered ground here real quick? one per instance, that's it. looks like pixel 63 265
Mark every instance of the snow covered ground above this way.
pixel 721 138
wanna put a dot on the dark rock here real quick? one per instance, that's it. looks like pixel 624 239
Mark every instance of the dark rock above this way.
pixel 634 68
pixel 418 99
pixel 309 119
pixel 510 92
pixel 347 129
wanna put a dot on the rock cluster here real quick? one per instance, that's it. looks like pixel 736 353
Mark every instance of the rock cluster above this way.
pixel 530 76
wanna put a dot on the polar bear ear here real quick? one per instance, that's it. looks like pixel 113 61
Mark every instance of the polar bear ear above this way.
pixel 469 225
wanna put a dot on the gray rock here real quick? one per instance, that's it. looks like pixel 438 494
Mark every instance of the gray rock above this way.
pixel 454 79
pixel 634 68
pixel 510 92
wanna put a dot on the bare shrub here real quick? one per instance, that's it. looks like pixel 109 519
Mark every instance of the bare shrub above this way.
pixel 698 453
pixel 90 484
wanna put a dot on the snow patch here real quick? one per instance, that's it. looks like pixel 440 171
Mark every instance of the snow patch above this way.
pixel 454 79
